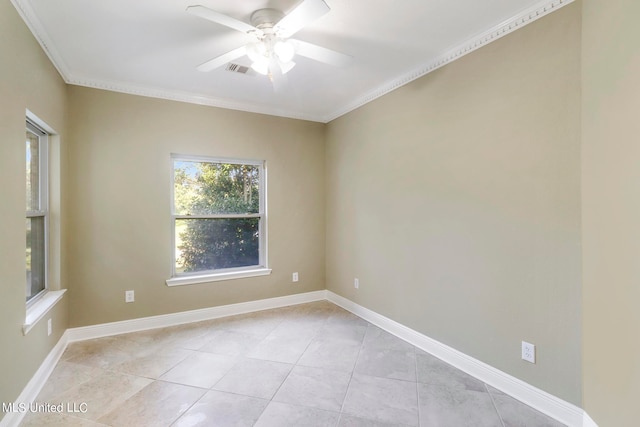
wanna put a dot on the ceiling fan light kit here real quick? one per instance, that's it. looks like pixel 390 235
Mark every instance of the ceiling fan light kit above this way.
pixel 272 52
pixel 284 50
pixel 269 53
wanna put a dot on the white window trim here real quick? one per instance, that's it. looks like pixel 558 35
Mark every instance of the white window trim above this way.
pixel 216 277
pixel 38 307
pixel 36 311
pixel 230 273
pixel 34 125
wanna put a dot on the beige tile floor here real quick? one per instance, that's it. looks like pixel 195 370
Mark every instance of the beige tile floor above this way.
pixel 307 365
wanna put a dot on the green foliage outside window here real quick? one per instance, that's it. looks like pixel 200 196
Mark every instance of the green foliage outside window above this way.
pixel 208 196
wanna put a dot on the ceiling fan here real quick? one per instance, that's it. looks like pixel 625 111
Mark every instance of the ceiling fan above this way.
pixel 272 50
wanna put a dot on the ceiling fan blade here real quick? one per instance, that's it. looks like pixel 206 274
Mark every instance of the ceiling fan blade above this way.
pixel 222 59
pixel 212 15
pixel 304 13
pixel 321 54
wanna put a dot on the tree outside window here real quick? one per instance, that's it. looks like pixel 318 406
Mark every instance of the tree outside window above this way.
pixel 218 214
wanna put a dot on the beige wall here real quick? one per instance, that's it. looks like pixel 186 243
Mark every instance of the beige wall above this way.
pixel 119 202
pixel 456 202
pixel 611 210
pixel 27 81
pixel 470 177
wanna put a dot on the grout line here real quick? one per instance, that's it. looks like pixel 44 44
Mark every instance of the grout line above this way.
pixel 310 341
pixel 494 404
pixel 293 366
pixel 354 367
pixel 281 384
pixel 187 410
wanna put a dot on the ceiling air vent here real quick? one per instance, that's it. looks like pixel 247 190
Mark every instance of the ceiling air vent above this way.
pixel 237 68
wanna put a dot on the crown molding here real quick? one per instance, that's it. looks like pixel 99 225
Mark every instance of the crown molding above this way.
pixel 189 98
pixel 518 21
pixel 35 26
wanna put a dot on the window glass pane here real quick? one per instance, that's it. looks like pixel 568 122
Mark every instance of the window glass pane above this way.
pixel 33 171
pixel 203 188
pixel 210 244
pixel 35 256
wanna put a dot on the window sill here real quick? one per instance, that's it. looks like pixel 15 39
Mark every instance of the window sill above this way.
pixel 216 277
pixel 38 310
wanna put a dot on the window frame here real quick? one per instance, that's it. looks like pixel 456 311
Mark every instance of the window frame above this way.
pixel 223 273
pixel 43 178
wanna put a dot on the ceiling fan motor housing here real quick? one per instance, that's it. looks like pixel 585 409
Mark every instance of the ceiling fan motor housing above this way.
pixel 266 19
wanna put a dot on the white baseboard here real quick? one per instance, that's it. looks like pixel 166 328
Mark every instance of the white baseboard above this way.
pixel 173 319
pixel 31 391
pixel 542 401
pixel 588 422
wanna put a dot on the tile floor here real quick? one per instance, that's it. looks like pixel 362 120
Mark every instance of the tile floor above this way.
pixel 307 365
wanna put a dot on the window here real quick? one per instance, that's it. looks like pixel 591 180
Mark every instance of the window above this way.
pixel 219 224
pixel 37 211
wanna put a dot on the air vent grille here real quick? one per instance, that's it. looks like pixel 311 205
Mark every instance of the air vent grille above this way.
pixel 237 68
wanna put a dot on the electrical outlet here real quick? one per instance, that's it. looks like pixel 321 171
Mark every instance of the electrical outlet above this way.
pixel 129 296
pixel 294 277
pixel 356 283
pixel 49 327
pixel 528 352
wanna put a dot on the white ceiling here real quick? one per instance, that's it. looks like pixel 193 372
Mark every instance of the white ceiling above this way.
pixel 152 47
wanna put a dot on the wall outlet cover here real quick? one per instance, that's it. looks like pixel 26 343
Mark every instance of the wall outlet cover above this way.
pixel 129 296
pixel 528 352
